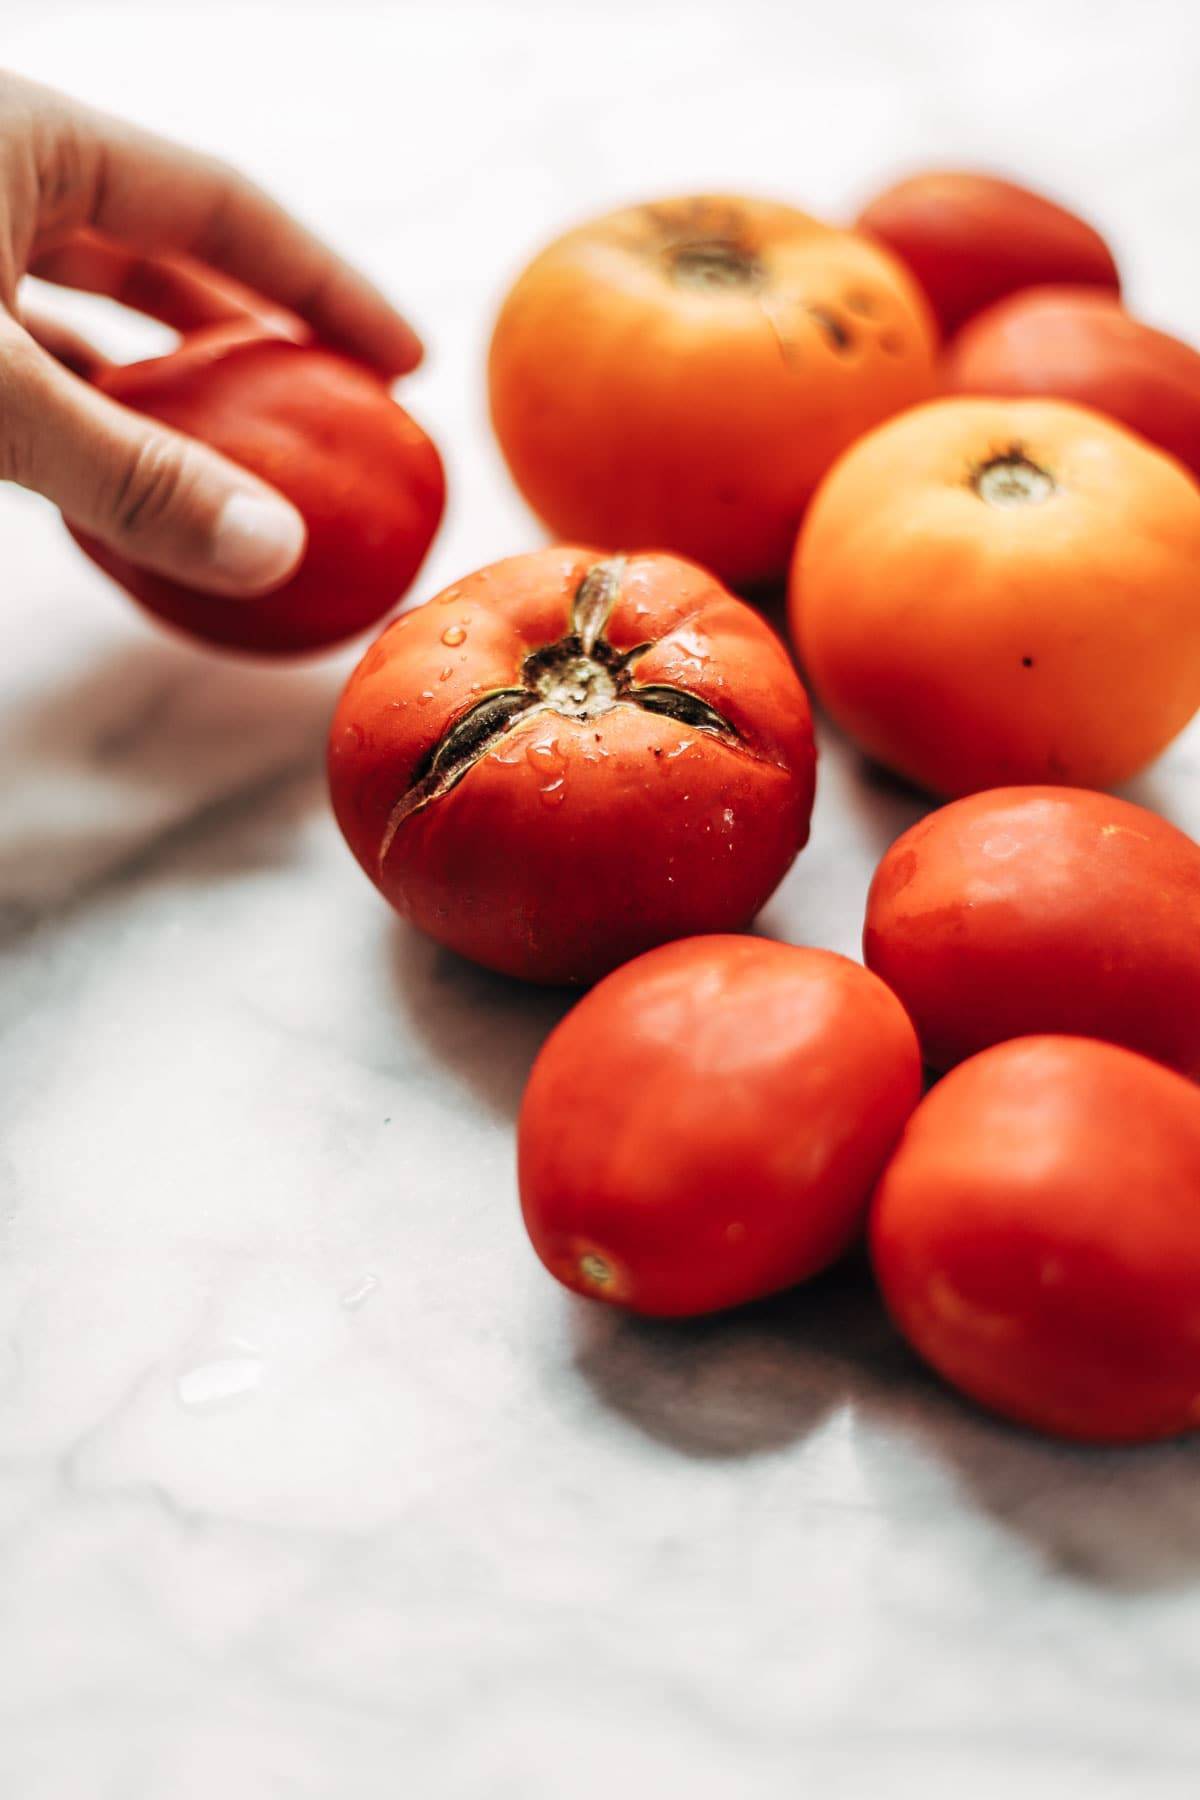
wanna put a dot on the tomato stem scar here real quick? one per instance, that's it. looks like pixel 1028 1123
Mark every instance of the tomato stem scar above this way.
pixel 1012 479
pixel 581 676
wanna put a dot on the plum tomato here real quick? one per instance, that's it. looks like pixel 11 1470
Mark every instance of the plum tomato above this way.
pixel 706 1126
pixel 682 374
pixel 1039 909
pixel 970 239
pixel 1036 1237
pixel 1080 344
pixel 566 758
pixel 996 591
pixel 327 434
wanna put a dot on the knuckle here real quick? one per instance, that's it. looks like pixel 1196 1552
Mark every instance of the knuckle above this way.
pixel 148 488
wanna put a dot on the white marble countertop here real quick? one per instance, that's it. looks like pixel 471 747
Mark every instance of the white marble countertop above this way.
pixel 312 1485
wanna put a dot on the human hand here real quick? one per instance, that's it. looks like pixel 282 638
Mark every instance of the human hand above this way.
pixel 90 202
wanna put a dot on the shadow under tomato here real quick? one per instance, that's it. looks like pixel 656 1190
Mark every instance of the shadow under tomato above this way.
pixel 485 1027
pixel 145 748
pixel 744 1382
pixel 754 1381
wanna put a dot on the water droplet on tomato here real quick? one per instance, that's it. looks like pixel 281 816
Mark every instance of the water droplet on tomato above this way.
pixel 554 792
pixel 545 756
pixel 453 636
pixel 354 737
pixel 449 597
pixel 424 697
pixel 446 673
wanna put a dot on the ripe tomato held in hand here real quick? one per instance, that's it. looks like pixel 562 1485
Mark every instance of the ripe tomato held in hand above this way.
pixel 1080 344
pixel 326 433
pixel 998 591
pixel 565 759
pixel 706 1126
pixel 682 374
pixel 970 239
pixel 1038 909
pixel 1037 1238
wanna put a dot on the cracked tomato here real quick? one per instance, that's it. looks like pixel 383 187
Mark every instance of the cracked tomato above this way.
pixel 1037 1238
pixel 682 374
pixel 327 434
pixel 707 1125
pixel 565 759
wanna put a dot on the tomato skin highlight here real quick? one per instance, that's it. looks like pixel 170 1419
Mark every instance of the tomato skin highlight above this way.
pixel 680 374
pixel 1033 910
pixel 1036 1237
pixel 705 1127
pixel 575 843
pixel 971 239
pixel 326 433
pixel 988 592
pixel 1080 344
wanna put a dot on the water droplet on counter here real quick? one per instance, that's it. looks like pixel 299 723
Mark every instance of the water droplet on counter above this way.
pixel 232 1373
pixel 453 636
pixel 356 1296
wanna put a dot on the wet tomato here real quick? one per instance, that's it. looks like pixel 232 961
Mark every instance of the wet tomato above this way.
pixel 326 433
pixel 1037 1238
pixel 1080 344
pixel 682 374
pixel 565 759
pixel 706 1126
pixel 1040 909
pixel 998 591
pixel 970 239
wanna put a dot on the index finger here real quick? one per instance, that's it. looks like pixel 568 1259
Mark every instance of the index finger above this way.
pixel 154 195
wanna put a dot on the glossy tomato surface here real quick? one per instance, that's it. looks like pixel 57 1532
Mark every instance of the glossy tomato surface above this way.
pixel 681 374
pixel 324 432
pixel 997 591
pixel 970 239
pixel 567 758
pixel 1080 344
pixel 1037 1238
pixel 1030 910
pixel 706 1126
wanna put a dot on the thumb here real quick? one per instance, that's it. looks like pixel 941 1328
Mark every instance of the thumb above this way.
pixel 158 498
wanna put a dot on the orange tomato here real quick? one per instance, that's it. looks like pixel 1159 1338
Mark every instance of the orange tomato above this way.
pixel 681 375
pixel 998 591
pixel 1039 909
pixel 971 239
pixel 1079 344
pixel 1037 1238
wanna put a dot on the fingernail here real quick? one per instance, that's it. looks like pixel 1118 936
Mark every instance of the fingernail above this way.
pixel 256 542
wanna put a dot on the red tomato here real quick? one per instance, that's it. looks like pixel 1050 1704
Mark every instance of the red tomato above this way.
pixel 1042 909
pixel 1079 344
pixel 971 239
pixel 706 1126
pixel 563 760
pixel 327 434
pixel 1037 1238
